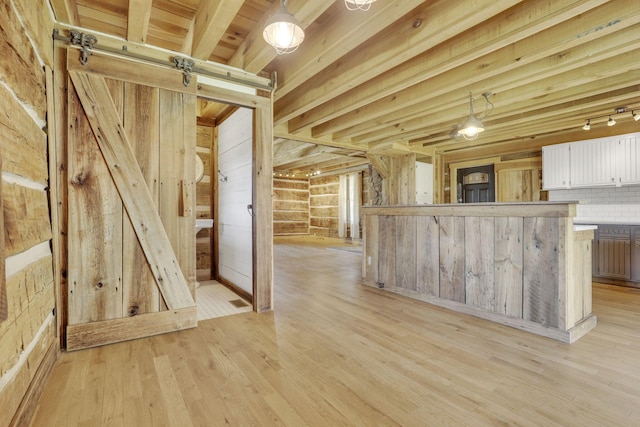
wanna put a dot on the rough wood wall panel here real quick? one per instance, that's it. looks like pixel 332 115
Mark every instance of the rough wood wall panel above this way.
pixel 30 300
pixel 24 144
pixel 401 183
pixel 508 265
pixel 452 278
pixel 283 194
pixel 290 206
pixel 38 23
pixel 279 205
pixel 95 226
pixel 141 104
pixel 294 216
pixel 323 202
pixel 324 211
pixel 540 275
pixel 26 218
pixel 386 251
pixel 406 253
pixel 479 262
pixel 281 228
pixel 326 223
pixel 428 252
pixel 290 184
pixel 3 284
pixel 20 68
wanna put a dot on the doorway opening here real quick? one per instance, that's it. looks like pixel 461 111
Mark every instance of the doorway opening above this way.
pixel 224 252
pixel 476 184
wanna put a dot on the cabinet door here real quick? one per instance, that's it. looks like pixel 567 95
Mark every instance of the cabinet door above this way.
pixel 630 159
pixel 614 252
pixel 595 163
pixel 556 166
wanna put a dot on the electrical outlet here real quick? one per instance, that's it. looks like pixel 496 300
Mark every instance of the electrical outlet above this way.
pixel 368 260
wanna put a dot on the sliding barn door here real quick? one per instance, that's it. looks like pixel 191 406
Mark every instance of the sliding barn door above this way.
pixel 131 238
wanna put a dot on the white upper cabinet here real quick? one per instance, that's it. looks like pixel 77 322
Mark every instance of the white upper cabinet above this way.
pixel 556 166
pixel 630 159
pixel 595 163
pixel 611 161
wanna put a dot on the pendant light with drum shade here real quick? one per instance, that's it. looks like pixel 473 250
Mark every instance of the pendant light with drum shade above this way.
pixel 283 31
pixel 358 4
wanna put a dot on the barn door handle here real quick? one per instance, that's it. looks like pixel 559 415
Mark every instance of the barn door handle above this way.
pixel 250 209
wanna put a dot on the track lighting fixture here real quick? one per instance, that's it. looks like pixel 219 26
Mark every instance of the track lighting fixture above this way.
pixel 611 121
pixel 283 31
pixel 472 126
pixel 358 4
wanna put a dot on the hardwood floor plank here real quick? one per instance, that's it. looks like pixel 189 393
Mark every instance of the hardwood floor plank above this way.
pixel 336 352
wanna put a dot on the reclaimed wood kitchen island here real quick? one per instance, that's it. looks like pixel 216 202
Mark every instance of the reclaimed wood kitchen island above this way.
pixel 523 265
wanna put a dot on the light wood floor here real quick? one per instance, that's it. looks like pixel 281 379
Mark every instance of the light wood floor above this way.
pixel 336 353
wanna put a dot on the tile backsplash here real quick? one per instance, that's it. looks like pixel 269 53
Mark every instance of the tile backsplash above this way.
pixel 604 204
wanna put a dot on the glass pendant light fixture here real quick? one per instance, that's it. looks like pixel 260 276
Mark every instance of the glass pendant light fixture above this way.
pixel 283 31
pixel 611 122
pixel 358 4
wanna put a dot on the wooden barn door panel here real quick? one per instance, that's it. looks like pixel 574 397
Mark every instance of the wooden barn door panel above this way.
pixel 131 237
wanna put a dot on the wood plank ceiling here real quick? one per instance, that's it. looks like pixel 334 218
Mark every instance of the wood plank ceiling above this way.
pixel 396 79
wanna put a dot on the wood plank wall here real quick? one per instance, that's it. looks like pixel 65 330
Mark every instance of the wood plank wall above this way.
pixel 27 335
pixel 323 202
pixel 290 206
pixel 204 207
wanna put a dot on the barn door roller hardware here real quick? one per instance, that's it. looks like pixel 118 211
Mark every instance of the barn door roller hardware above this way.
pixel 186 65
pixel 85 41
pixel 215 71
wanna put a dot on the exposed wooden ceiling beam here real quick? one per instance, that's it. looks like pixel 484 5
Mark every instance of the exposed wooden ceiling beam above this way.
pixel 210 23
pixel 280 131
pixel 138 20
pixel 516 100
pixel 336 38
pixel 66 11
pixel 490 71
pixel 444 57
pixel 414 33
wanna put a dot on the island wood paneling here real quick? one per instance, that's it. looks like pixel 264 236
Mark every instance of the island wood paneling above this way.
pixel 479 255
pixel 406 256
pixel 427 243
pixel 543 253
pixel 526 270
pixel 290 206
pixel 508 259
pixel 450 259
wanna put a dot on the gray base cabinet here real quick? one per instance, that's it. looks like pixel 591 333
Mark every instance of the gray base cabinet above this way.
pixel 616 253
